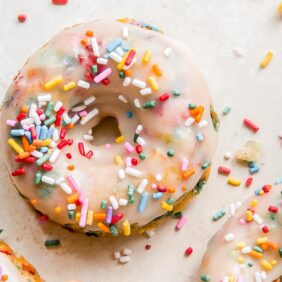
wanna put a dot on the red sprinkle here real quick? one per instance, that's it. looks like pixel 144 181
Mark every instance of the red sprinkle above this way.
pixel 21 116
pixel 33 132
pixel 130 57
pixel 19 171
pixel 138 149
pixel 251 125
pixel 22 18
pixel 62 144
pixel 224 170
pixel 81 148
pixel 63 133
pixel 188 251
pixel 248 182
pixel 266 188
pixel 265 229
pixel 29 160
pixel 164 97
pixel 134 161
pixel 70 142
pixel 117 217
pixel 162 188
pixel 148 247
pixel 273 209
pixel 60 2
pixel 47 167
pixel 106 81
pixel 89 154
pixel 68 155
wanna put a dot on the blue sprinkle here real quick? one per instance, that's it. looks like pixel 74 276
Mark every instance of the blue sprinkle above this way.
pixel 124 47
pixel 107 56
pixel 143 202
pixel 113 45
pixel 43 132
pixel 44 149
pixel 28 136
pixel 129 114
pixel 157 195
pixel 38 130
pixel 257 192
pixel 252 164
pixel 17 132
pixel 50 132
pixel 200 137
pixel 254 169
pixel 278 181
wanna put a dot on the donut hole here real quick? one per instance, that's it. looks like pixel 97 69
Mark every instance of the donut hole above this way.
pixel 106 131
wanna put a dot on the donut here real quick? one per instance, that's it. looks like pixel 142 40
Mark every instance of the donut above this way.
pixel 249 245
pixel 159 102
pixel 15 268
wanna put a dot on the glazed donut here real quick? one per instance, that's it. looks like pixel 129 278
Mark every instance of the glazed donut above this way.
pixel 159 98
pixel 249 245
pixel 15 268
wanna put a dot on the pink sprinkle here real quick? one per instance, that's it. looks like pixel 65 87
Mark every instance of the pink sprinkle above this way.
pixel 101 76
pixel 242 221
pixel 181 222
pixel 72 183
pixel 11 123
pixel 184 164
pixel 154 186
pixel 83 213
pixel 42 117
pixel 108 146
pixel 83 113
pixel 128 147
pixel 128 162
pixel 26 127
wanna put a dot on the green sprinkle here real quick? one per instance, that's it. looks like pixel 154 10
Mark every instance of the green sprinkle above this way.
pixel 218 215
pixel 258 249
pixel 170 153
pixel 142 156
pixel 135 137
pixel 205 278
pixel 103 204
pixel 280 252
pixel 71 214
pixel 130 190
pixel 49 109
pixel 176 93
pixel 226 110
pixel 149 104
pixel 192 106
pixel 170 201
pixel 113 230
pixel 121 74
pixel 206 164
pixel 37 177
pixel 250 264
pixel 1 230
pixel 131 199
pixel 94 68
pixel 42 160
pixel 178 214
pixel 49 121
pixel 52 243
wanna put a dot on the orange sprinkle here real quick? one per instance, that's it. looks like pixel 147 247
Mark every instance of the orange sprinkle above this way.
pixel 89 33
pixel 128 72
pixel 5 277
pixel 72 199
pixel 184 188
pixel 25 143
pixel 103 226
pixel 24 155
pixel 255 254
pixel 188 173
pixel 33 201
pixel 272 245
pixel 156 69
pixel 264 246
pixel 71 167
pixel 31 72
pixel 37 143
pixel 70 126
pixel 31 148
pixel 99 216
pixel 171 190
pixel 84 42
pixel 197 113
pixel 58 210
pixel 24 109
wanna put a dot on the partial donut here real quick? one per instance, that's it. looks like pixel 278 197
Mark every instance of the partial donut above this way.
pixel 160 100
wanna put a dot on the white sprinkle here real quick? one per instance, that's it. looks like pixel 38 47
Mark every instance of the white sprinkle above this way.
pixel 142 186
pixel 32 109
pixel 133 172
pixel 127 252
pixel 89 116
pixel 137 103
pixel 27 121
pixel 126 81
pixel 52 144
pixel 88 137
pixel 75 119
pixel 229 237
pixel 225 279
pixel 121 173
pixel 167 52
pixel 119 51
pixel 44 98
pixel 150 233
pixel 66 118
pixel 55 135
pixel 89 132
pixel 159 177
pixel 232 209
pixel 83 84
pixel 146 91
pixel 35 118
pixel 114 56
pixel 71 207
pixel 139 128
pixel 123 99
pixel 95 46
pixel 78 108
pixel 257 277
pixel 102 61
pixel 36 154
pixel 47 179
pixel 125 32
pixel 189 121
pixel 113 202
pixel 128 162
pixel 65 187
pixel 141 141
pixel 89 100
pixel 227 155
pixel 246 250
pixel 139 83
pixel 257 219
pixel 54 156
pixel 60 180
pixel 124 259
pixel 122 202
pixel 263 276
pixel 58 105
pixel 203 123
pixel 238 51
pixel 238 205
pixel 41 104
pixel 117 255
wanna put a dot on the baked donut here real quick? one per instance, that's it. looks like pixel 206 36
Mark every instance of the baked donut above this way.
pixel 15 268
pixel 159 98
pixel 249 245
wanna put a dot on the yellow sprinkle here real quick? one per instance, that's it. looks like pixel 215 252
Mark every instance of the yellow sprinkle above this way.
pixel 146 57
pixel 262 240
pixel 152 82
pixel 280 8
pixel 233 181
pixel 103 227
pixel 118 160
pixel 266 265
pixel 33 202
pixel 121 64
pixel 54 82
pixel 18 148
pixel 231 278
pixel 241 260
pixel 254 203
pixel 58 210
pixel 89 219
pixel 46 142
pixel 249 216
pixel 264 63
pixel 156 69
pixel 77 216
pixel 69 86
pixel 240 245
pixel 166 206
pixel 273 262
pixel 261 192
pixel 120 139
pixel 126 228
pixel 72 199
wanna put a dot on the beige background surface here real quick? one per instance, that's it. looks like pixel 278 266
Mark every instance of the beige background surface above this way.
pixel 212 29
